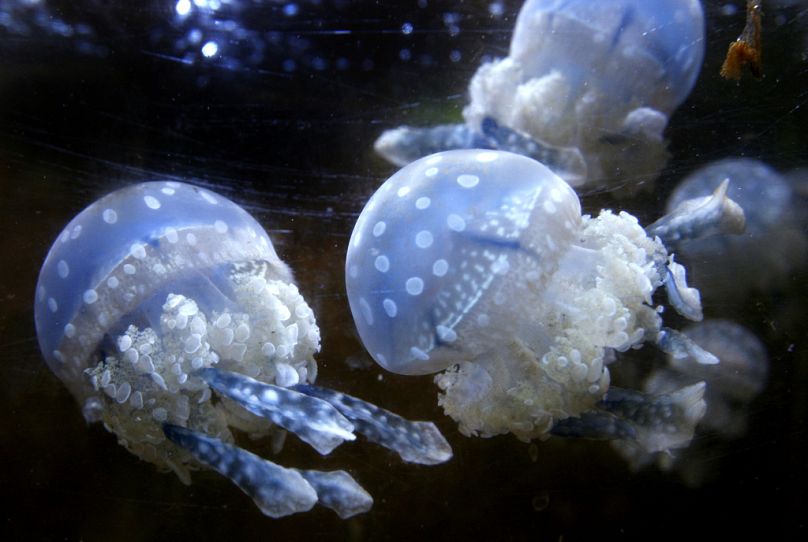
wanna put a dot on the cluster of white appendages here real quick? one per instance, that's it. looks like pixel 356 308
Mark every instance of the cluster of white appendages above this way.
pixel 595 301
pixel 150 379
pixel 617 140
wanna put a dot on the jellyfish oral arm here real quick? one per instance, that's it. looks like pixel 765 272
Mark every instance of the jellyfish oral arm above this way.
pixel 684 299
pixel 276 490
pixel 702 217
pixel 662 422
pixel 338 491
pixel 316 422
pixel 415 442
pixel 680 346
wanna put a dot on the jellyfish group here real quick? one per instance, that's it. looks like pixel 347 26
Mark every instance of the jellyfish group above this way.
pixel 165 310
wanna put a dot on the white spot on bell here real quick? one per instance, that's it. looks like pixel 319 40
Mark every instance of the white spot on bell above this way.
pixel 382 264
pixel 423 239
pixel 440 267
pixel 485 157
pixel 468 181
pixel 455 222
pixel 417 353
pixel 220 226
pixel 90 296
pixel 390 307
pixel 63 269
pixel 138 251
pixel 110 216
pixel 378 228
pixel 207 196
pixel 367 313
pixel 434 159
pixel 414 285
pixel 171 234
pixel 151 202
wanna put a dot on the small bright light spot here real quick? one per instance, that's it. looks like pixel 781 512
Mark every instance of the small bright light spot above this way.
pixel 406 28
pixel 210 49
pixel 183 7
pixel 290 10
pixel 496 9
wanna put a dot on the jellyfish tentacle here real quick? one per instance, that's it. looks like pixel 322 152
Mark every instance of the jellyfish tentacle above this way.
pixel 594 425
pixel 566 162
pixel 679 346
pixel 663 421
pixel 276 490
pixel 700 217
pixel 684 299
pixel 315 421
pixel 406 144
pixel 338 491
pixel 415 442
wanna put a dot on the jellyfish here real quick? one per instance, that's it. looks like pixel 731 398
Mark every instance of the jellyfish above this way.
pixel 165 310
pixel 773 245
pixel 587 89
pixel 478 266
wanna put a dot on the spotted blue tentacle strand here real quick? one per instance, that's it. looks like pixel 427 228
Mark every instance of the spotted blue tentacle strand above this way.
pixel 681 346
pixel 700 217
pixel 276 490
pixel 594 425
pixel 338 491
pixel 415 442
pixel 315 421
pixel 662 421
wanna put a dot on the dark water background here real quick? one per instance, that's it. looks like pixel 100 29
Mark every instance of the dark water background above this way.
pixel 116 101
